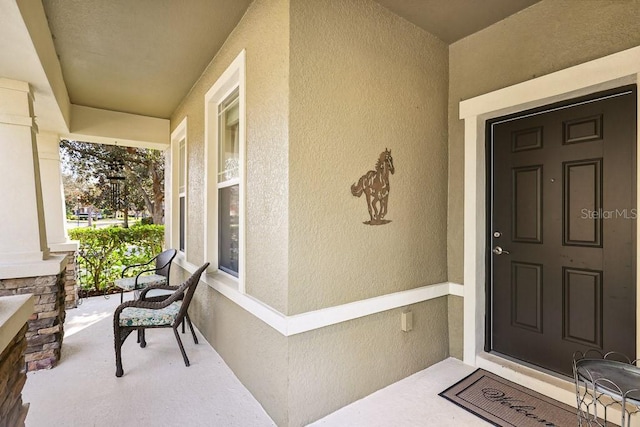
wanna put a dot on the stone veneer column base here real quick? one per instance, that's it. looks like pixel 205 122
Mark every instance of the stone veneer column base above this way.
pixel 70 280
pixel 12 378
pixel 46 324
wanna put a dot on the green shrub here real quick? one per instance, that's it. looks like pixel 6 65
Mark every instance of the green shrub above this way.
pixel 147 220
pixel 105 252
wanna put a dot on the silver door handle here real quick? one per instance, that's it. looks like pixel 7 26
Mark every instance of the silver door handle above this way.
pixel 499 251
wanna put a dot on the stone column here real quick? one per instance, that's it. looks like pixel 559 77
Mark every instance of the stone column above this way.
pixel 26 266
pixel 14 312
pixel 55 212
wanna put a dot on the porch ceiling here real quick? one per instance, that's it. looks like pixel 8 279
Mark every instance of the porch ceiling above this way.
pixel 452 20
pixel 139 57
pixel 142 57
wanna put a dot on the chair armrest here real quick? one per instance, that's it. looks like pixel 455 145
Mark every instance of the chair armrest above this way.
pixel 146 271
pixel 136 265
pixel 165 287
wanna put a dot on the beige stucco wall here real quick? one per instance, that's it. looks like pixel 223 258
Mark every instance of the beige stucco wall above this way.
pixel 455 306
pixel 334 366
pixel 547 37
pixel 330 84
pixel 256 353
pixel 361 80
pixel 264 33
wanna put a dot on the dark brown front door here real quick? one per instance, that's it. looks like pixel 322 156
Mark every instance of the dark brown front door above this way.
pixel 562 232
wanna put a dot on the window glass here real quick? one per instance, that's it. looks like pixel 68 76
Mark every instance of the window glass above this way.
pixel 229 138
pixel 182 222
pixel 182 179
pixel 228 229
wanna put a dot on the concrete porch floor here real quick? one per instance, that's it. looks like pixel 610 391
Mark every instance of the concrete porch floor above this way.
pixel 158 390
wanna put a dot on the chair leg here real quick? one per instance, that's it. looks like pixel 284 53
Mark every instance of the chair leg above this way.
pixel 118 344
pixel 184 354
pixel 119 337
pixel 142 338
pixel 188 320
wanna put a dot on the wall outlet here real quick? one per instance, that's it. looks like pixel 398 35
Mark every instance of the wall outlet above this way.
pixel 406 321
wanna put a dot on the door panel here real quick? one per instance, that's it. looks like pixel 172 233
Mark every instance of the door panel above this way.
pixel 527 204
pixel 582 291
pixel 582 195
pixel 563 203
pixel 526 296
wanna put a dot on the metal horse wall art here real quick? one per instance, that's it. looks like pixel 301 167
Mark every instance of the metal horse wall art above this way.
pixel 375 186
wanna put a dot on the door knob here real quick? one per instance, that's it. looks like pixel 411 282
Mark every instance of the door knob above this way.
pixel 499 251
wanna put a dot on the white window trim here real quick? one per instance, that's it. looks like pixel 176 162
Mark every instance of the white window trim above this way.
pixel 177 136
pixel 232 78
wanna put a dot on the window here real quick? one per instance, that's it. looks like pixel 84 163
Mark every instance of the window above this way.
pixel 182 194
pixel 224 147
pixel 228 183
pixel 176 190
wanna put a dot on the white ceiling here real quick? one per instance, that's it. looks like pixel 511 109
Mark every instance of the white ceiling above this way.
pixel 143 56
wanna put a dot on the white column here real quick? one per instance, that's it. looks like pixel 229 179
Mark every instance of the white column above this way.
pixel 23 240
pixel 53 193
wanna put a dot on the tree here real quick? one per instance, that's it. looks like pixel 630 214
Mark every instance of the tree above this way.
pixel 87 165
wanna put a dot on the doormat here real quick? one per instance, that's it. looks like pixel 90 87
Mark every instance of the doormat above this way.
pixel 504 403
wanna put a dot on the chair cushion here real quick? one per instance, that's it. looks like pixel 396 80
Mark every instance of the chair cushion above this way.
pixel 132 316
pixel 158 293
pixel 129 283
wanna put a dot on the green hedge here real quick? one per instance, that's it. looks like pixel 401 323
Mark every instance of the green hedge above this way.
pixel 104 252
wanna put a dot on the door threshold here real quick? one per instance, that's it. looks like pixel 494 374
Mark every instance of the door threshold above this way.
pixel 554 386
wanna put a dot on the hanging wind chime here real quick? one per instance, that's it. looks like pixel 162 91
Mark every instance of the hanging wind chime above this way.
pixel 116 182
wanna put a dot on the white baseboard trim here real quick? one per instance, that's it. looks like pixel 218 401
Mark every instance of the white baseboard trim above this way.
pixel 316 319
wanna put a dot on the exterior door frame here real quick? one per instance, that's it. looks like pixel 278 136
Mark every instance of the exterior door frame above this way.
pixel 609 72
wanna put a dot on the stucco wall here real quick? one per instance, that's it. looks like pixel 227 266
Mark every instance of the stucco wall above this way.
pixel 334 366
pixel 264 33
pixel 361 80
pixel 255 352
pixel 547 37
pixel 455 307
pixel 330 84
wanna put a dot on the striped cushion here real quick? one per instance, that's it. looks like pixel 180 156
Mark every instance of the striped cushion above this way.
pixel 132 316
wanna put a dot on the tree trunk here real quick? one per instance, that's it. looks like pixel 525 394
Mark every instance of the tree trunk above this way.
pixel 158 212
pixel 158 196
pixel 125 208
